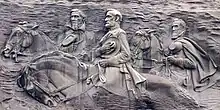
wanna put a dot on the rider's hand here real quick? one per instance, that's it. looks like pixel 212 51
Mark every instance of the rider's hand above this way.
pixel 104 63
pixel 171 59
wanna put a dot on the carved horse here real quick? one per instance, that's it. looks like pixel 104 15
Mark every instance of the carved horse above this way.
pixel 147 49
pixel 26 40
pixel 53 75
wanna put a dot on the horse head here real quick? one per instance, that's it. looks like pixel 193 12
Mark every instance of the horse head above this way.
pixel 26 40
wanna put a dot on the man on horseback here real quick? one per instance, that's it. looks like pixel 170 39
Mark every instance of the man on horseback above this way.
pixel 113 54
pixel 75 40
pixel 58 84
pixel 57 77
pixel 187 63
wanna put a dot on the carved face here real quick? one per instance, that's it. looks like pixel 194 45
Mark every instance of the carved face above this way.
pixel 76 20
pixel 110 20
pixel 177 30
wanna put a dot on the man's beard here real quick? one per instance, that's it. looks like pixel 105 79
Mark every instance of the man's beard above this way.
pixel 177 34
pixel 76 25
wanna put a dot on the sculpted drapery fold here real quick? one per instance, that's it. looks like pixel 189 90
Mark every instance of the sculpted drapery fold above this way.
pixel 190 65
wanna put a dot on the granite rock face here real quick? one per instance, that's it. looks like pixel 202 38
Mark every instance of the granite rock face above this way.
pixel 202 25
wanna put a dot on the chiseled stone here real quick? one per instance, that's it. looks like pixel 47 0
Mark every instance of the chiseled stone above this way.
pixel 109 54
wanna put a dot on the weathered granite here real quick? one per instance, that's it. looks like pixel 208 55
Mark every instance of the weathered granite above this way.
pixel 201 16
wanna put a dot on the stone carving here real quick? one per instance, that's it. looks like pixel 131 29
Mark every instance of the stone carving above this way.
pixel 55 80
pixel 146 49
pixel 112 58
pixel 26 40
pixel 187 63
pixel 56 84
pixel 62 77
pixel 74 40
pixel 116 74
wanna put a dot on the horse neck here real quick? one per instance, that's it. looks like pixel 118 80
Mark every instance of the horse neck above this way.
pixel 41 42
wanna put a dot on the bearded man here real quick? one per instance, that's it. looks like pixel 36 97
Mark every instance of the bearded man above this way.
pixel 187 63
pixel 74 40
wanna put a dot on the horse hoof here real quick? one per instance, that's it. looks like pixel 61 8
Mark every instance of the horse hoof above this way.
pixel 50 102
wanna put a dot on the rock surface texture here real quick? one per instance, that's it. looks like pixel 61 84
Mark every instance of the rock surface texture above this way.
pixel 48 20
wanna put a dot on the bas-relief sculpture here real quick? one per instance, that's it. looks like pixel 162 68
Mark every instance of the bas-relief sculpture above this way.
pixel 52 79
pixel 15 46
pixel 115 73
pixel 26 40
pixel 146 49
pixel 75 40
pixel 186 63
pixel 72 68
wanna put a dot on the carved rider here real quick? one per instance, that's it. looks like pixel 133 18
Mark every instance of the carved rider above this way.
pixel 74 40
pixel 113 55
pixel 190 65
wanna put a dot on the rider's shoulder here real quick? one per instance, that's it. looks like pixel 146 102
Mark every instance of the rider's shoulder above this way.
pixel 121 31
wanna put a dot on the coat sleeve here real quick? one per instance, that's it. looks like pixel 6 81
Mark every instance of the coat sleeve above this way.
pixel 184 63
